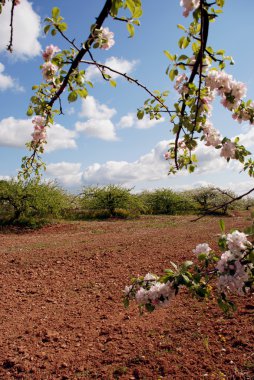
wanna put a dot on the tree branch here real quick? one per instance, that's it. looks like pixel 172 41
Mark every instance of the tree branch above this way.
pixel 99 21
pixel 204 35
pixel 10 47
pixel 131 80
pixel 224 204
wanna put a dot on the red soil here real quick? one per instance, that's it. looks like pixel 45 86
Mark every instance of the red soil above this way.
pixel 62 317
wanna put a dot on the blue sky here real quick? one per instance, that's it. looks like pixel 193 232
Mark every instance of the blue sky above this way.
pixel 100 141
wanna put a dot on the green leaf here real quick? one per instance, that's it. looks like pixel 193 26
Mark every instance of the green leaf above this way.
pixel 112 83
pixel 181 27
pixel 168 55
pixel 82 92
pixel 73 96
pixel 30 111
pixel 183 42
pixel 172 74
pixel 131 6
pixel 149 307
pixel 222 226
pixel 46 28
pixel 55 12
pixel 130 29
pixel 126 302
pixel 53 32
pixel 63 26
pixel 182 57
pixel 187 264
pixel 140 114
pixel 137 13
pixel 202 256
pixel 220 3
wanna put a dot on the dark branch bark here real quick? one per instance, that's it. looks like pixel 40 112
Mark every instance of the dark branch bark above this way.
pixel 99 21
pixel 204 35
pixel 10 47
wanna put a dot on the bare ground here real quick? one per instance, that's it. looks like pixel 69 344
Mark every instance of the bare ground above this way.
pixel 62 317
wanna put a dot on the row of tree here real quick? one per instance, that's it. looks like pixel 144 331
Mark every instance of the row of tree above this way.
pixel 34 204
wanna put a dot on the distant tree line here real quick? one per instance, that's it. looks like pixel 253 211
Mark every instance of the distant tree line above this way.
pixel 34 204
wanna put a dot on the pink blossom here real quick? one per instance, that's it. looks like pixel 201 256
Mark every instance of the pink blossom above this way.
pixel 105 38
pixel 237 242
pixel 39 135
pixel 39 121
pixel 48 71
pixel 229 89
pixel 181 84
pixel 49 52
pixel 167 155
pixel 212 137
pixel 202 248
pixel 189 6
pixel 228 150
pixel 17 2
pixel 222 264
pixel 233 278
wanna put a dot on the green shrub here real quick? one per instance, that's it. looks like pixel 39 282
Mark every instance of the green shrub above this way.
pixel 110 199
pixel 31 204
pixel 166 201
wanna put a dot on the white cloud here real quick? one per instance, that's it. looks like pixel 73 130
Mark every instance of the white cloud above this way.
pixel 153 167
pixel 102 129
pixel 131 120
pixel 92 109
pixel 67 173
pixel 149 167
pixel 70 111
pixel 60 138
pixel 16 132
pixel 7 82
pixel 247 136
pixel 118 64
pixel 5 177
pixel 98 124
pixel 127 121
pixel 26 30
pixel 241 187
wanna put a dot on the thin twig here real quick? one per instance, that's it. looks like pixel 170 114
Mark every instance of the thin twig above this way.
pixel 101 70
pixel 10 47
pixel 71 42
pixel 131 80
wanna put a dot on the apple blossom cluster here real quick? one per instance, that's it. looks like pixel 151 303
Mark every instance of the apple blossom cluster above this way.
pixel 233 270
pixel 150 292
pixel 233 274
pixel 49 52
pixel 39 134
pixel 202 248
pixel 212 137
pixel 229 89
pixel 244 113
pixel 189 6
pixel 48 68
pixel 181 84
pixel 104 38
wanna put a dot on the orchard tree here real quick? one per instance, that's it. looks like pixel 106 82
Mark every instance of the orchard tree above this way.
pixel 199 77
